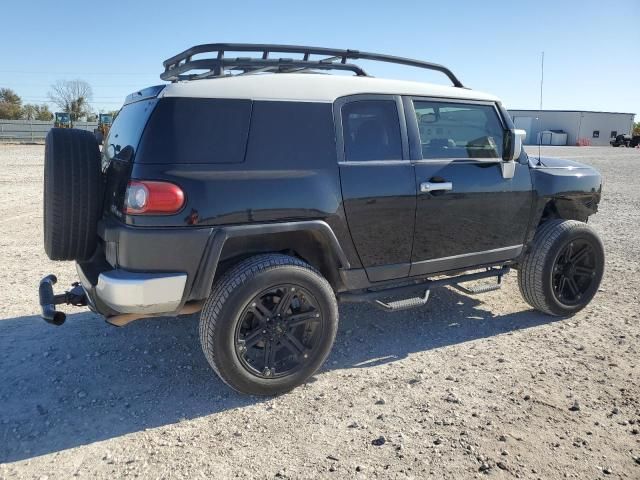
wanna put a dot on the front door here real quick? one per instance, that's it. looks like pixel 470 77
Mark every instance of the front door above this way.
pixel 378 182
pixel 467 213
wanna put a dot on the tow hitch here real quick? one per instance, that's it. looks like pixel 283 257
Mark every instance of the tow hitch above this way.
pixel 48 301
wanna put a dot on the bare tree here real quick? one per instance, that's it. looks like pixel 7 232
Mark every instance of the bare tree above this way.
pixel 73 97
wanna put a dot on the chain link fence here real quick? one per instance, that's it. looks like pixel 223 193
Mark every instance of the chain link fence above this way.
pixel 33 130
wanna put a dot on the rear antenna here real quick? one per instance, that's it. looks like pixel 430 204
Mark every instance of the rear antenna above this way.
pixel 540 111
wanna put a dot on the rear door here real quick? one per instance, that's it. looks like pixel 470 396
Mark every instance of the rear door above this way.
pixel 467 213
pixel 378 182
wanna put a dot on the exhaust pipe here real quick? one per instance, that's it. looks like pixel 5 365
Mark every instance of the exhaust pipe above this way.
pixel 48 302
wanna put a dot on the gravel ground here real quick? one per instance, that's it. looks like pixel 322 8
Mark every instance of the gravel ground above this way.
pixel 462 388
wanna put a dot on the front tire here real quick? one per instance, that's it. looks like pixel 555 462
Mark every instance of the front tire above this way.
pixel 561 272
pixel 269 324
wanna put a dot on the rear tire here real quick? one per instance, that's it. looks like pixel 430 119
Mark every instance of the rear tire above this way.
pixel 72 194
pixel 269 324
pixel 561 272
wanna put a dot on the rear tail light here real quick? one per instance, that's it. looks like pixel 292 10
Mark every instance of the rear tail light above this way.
pixel 151 197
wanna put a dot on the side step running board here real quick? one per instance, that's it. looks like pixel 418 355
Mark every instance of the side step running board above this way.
pixel 489 287
pixel 424 286
pixel 404 304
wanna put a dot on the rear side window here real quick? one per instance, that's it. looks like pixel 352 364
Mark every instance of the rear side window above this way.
pixel 371 130
pixel 196 130
pixel 457 130
pixel 292 133
pixel 126 130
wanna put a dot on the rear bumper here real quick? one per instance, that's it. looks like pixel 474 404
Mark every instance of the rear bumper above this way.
pixel 121 291
pixel 132 292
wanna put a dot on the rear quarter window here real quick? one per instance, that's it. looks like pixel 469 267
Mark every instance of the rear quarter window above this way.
pixel 124 135
pixel 196 130
pixel 292 133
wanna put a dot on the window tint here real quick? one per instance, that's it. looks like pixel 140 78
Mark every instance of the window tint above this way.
pixel 196 130
pixel 455 130
pixel 126 130
pixel 371 130
pixel 292 133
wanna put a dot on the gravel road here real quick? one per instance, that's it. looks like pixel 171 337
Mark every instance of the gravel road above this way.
pixel 462 388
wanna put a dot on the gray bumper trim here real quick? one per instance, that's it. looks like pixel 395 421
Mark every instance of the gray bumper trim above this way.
pixel 132 292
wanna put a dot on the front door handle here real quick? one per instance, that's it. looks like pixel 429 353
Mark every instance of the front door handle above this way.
pixel 435 186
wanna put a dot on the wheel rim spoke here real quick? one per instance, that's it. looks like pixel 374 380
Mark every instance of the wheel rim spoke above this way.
pixel 580 254
pixel 252 338
pixel 573 287
pixel 285 301
pixel 269 355
pixel 584 272
pixel 302 319
pixel 259 309
pixel 568 253
pixel 563 281
pixel 291 340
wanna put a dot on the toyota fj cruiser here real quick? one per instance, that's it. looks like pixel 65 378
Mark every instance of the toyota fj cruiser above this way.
pixel 261 192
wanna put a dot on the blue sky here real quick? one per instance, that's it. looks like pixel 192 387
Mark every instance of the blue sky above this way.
pixel 591 59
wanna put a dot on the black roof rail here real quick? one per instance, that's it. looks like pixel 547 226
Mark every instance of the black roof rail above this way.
pixel 178 67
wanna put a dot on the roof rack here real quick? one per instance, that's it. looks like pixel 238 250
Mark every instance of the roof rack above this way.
pixel 178 67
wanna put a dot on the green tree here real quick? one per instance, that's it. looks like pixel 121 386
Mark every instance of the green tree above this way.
pixel 636 128
pixel 36 112
pixel 73 97
pixel 10 104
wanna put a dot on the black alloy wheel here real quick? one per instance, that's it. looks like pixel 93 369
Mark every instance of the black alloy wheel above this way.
pixel 278 331
pixel 574 271
pixel 268 324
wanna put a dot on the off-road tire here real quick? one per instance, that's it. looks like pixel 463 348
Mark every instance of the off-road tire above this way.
pixel 72 194
pixel 535 271
pixel 230 296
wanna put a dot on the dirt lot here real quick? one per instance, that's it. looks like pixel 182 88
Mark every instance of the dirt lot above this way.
pixel 462 388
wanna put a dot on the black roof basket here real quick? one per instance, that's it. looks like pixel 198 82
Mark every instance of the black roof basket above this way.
pixel 178 67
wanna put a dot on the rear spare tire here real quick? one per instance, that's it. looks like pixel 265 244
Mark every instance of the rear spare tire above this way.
pixel 72 194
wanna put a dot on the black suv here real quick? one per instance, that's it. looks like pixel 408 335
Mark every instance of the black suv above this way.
pixel 261 192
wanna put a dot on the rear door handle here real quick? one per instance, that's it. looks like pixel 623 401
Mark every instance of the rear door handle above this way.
pixel 426 187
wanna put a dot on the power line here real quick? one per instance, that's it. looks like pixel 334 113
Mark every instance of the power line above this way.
pixel 25 72
pixel 21 84
pixel 36 97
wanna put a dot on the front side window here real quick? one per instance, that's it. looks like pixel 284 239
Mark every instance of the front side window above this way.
pixel 371 130
pixel 457 130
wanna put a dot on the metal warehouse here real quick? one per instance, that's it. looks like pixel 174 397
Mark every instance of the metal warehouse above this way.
pixel 571 127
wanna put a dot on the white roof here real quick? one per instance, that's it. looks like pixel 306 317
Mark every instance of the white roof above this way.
pixel 311 87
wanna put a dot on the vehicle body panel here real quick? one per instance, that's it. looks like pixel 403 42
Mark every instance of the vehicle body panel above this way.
pixel 367 218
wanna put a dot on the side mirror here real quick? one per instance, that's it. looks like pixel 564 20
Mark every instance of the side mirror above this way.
pixel 511 151
pixel 513 144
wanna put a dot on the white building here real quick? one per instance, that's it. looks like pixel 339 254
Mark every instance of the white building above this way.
pixel 585 127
